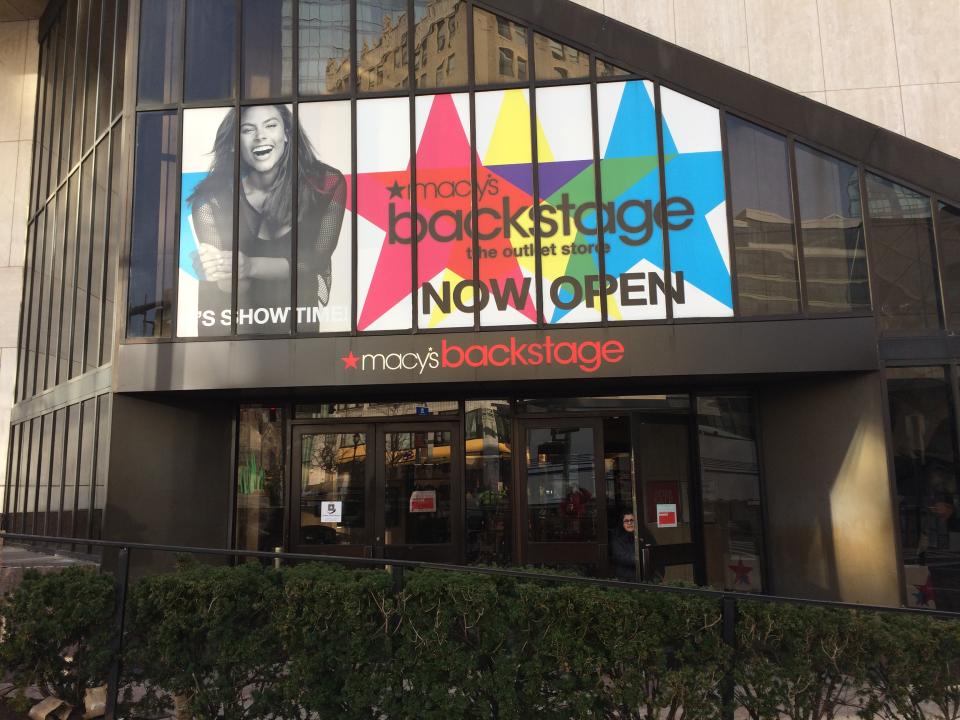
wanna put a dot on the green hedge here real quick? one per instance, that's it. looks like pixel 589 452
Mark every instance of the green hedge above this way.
pixel 327 642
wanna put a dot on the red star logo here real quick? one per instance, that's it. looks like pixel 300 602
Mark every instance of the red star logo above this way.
pixel 350 361
pixel 443 166
pixel 742 572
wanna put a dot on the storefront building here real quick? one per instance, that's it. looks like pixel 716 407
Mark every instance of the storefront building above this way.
pixel 469 282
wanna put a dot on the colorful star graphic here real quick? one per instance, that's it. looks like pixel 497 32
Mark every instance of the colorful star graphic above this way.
pixel 504 186
pixel 925 594
pixel 443 164
pixel 350 361
pixel 742 572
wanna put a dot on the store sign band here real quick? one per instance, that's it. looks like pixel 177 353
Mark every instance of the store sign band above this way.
pixel 531 243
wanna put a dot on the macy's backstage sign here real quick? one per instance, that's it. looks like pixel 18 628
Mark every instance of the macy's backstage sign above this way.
pixel 587 356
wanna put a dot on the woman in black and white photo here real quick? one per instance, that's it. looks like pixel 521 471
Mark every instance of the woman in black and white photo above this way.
pixel 265 237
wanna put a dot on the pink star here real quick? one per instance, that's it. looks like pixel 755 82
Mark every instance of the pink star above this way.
pixel 350 361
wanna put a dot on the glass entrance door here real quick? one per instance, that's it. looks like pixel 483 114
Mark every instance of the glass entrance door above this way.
pixel 667 524
pixel 378 490
pixel 421 492
pixel 332 512
pixel 565 521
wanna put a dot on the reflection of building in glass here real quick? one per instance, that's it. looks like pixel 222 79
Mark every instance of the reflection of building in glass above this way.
pixel 833 255
pixel 324 37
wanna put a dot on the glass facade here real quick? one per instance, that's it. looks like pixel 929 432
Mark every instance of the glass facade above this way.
pixel 74 234
pixel 528 195
pixel 339 168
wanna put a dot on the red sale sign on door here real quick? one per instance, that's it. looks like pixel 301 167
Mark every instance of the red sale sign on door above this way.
pixel 666 515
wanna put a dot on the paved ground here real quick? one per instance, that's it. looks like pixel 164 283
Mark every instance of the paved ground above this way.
pixel 14 560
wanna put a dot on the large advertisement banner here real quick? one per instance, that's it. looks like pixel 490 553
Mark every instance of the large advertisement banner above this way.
pixel 696 212
pixel 520 243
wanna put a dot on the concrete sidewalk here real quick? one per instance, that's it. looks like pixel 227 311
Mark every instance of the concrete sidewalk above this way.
pixel 15 560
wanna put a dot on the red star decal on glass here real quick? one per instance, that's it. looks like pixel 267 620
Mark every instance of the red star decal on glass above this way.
pixel 741 572
pixel 925 595
pixel 350 361
pixel 444 204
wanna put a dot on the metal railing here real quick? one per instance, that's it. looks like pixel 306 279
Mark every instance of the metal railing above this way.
pixel 727 599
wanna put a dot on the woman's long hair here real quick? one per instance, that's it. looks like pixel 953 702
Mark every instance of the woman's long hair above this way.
pixel 277 207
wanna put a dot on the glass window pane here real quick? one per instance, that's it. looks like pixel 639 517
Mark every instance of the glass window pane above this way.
pixel 762 220
pixel 49 333
pixel 10 484
pixel 417 484
pixel 901 247
pixel 925 463
pixel 207 198
pixel 500 49
pixel 97 255
pixel 324 411
pixel 260 479
pixel 41 153
pixel 382 44
pixel 630 184
pixel 696 193
pixel 11 502
pixel 556 61
pixel 105 75
pixel 570 262
pixel 730 484
pixel 267 48
pixel 33 476
pixel 82 298
pixel 488 481
pixel 333 469
pixel 325 247
pixel 154 226
pixel 36 292
pixel 561 485
pixel 384 302
pixel 210 50
pixel 505 177
pixel 80 78
pixel 119 70
pixel 831 224
pixel 440 58
pixel 68 528
pixel 160 51
pixel 69 77
pixel 85 477
pixel 23 332
pixel 92 72
pixel 608 70
pixel 324 62
pixel 56 101
pixel 56 297
pixel 949 238
pixel 69 278
pixel 114 238
pixel 103 460
pixel 42 309
pixel 55 479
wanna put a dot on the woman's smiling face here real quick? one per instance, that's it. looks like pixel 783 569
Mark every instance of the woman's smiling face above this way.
pixel 263 138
